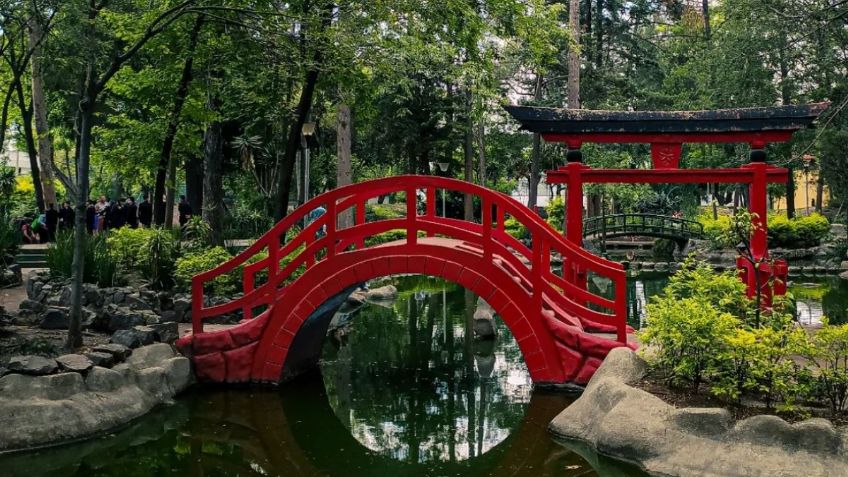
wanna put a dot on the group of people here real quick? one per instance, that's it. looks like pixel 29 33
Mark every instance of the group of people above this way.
pixel 44 226
pixel 105 214
pixel 100 216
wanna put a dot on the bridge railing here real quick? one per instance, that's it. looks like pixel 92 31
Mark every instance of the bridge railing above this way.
pixel 290 248
pixel 650 224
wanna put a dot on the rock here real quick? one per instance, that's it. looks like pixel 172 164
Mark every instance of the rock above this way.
pixel 386 293
pixel 150 356
pixel 181 306
pixel 76 363
pixel 135 337
pixel 484 321
pixel 122 318
pixel 169 316
pixel 843 275
pixel 31 305
pixel 661 267
pixel 627 423
pixel 92 296
pixel 167 332
pixel 100 358
pixel 101 379
pixel 135 302
pixel 178 373
pixel 55 319
pixel 118 351
pixel 165 301
pixel 53 387
pixel 65 296
pixel 357 298
pixel 32 365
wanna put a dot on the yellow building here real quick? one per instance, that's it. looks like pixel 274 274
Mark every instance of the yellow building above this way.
pixel 806 191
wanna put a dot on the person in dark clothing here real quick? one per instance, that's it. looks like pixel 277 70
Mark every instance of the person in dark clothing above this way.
pixel 145 212
pixel 66 216
pixel 90 213
pixel 185 210
pixel 52 218
pixel 114 215
pixel 131 213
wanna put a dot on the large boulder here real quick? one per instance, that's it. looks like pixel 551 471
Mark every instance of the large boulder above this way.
pixel 55 319
pixel 32 365
pixel 384 293
pixel 624 422
pixel 101 359
pixel 484 321
pixel 167 332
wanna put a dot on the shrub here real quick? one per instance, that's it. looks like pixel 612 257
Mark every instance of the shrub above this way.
pixel 515 228
pixel 723 291
pixel 556 213
pixel 717 230
pixel 101 268
pixel 827 351
pixel 10 239
pixel 150 251
pixel 198 262
pixel 688 336
pixel 245 223
pixel 196 234
pixel 811 230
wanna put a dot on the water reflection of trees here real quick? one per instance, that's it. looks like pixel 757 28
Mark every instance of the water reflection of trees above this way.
pixel 405 380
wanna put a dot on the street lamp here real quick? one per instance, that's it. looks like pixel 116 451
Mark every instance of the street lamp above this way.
pixel 809 161
pixel 307 130
pixel 443 166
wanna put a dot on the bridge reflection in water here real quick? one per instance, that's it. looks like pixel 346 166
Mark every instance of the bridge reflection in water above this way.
pixel 404 391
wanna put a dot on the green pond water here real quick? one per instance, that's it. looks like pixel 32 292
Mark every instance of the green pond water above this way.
pixel 404 390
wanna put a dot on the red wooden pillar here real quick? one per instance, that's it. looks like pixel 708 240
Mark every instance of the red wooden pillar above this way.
pixel 574 210
pixel 758 196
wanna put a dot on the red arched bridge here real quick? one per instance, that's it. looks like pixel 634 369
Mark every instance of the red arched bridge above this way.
pixel 563 330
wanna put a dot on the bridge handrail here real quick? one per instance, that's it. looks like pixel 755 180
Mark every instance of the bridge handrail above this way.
pixel 324 235
pixel 614 223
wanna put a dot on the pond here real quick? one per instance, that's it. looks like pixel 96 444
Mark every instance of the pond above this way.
pixel 404 390
pixel 815 297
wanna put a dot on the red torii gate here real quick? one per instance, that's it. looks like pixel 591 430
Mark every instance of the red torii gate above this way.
pixel 666 132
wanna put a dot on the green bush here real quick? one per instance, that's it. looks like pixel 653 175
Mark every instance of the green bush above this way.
pixel 198 262
pixel 150 251
pixel 688 336
pixel 827 351
pixel 244 223
pixel 101 268
pixel 798 232
pixel 556 213
pixel 515 228
pixel 196 234
pixel 10 240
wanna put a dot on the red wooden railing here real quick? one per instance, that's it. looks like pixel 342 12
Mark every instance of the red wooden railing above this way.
pixel 285 249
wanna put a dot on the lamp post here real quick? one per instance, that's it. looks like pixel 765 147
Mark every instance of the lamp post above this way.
pixel 809 160
pixel 443 166
pixel 307 130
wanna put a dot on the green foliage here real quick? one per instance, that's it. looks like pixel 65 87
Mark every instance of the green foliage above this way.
pixel 556 213
pixel 688 336
pixel 723 291
pixel 198 262
pixel 827 350
pixel 197 234
pixel 245 223
pixel 150 251
pixel 806 231
pixel 10 239
pixel 101 269
pixel 515 228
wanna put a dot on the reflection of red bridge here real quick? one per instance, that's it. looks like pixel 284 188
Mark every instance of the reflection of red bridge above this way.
pixel 551 315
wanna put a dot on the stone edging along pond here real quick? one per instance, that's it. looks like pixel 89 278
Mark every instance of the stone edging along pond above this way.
pixel 43 410
pixel 627 423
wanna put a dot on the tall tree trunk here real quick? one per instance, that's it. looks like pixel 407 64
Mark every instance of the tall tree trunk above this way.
pixel 705 9
pixel 301 113
pixel 213 194
pixel 26 119
pixel 4 114
pixel 599 35
pixel 344 174
pixel 469 153
pixel 535 155
pixel 574 56
pixel 86 116
pixel 194 182
pixel 790 192
pixel 170 191
pixel 165 157
pixel 39 107
pixel 819 192
pixel 481 152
